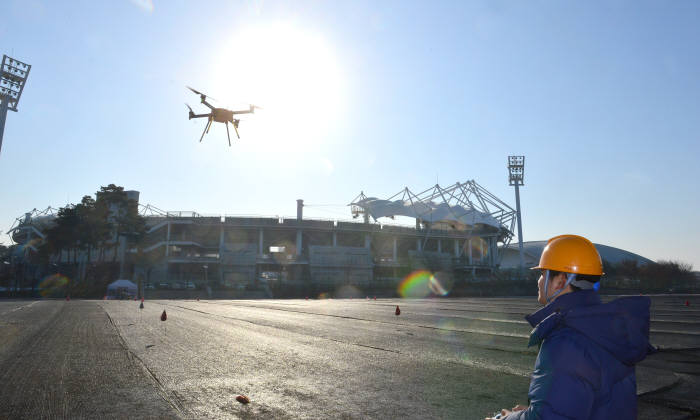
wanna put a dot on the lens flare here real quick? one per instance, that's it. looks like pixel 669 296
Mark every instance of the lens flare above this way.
pixel 479 248
pixel 31 244
pixel 53 284
pixel 423 283
pixel 145 5
pixel 447 331
pixel 415 285
pixel 347 291
pixel 440 284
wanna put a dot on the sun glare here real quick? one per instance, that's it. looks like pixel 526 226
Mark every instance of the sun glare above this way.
pixel 289 72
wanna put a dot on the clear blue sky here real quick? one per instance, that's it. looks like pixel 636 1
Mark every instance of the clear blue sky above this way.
pixel 602 97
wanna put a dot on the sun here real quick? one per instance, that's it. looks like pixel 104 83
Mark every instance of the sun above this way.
pixel 292 74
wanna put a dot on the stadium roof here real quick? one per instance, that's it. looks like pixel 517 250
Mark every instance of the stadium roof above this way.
pixel 461 205
pixel 533 251
pixel 427 211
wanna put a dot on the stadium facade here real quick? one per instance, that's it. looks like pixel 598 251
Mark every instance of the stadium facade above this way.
pixel 458 231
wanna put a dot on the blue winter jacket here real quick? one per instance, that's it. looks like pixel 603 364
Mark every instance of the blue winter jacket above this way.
pixel 585 367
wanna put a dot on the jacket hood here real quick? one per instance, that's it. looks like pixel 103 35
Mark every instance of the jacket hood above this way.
pixel 621 326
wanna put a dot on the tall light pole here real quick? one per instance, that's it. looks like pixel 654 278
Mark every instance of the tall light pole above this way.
pixel 13 76
pixel 516 178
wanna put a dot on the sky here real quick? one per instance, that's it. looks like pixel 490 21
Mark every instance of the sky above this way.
pixel 602 97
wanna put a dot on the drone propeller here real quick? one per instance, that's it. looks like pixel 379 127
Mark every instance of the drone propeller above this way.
pixel 202 95
pixel 191 112
pixel 195 91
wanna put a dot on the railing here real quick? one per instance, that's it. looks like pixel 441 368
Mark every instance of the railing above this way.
pixel 193 259
pixel 290 222
pixel 281 259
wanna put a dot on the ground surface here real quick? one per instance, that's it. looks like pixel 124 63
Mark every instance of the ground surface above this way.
pixel 448 358
pixel 65 360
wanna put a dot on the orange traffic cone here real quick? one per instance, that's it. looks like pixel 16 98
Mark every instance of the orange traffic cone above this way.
pixel 398 311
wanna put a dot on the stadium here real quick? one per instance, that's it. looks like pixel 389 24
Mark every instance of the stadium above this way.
pixel 457 232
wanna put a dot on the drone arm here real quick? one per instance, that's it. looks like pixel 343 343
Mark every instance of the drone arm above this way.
pixel 193 115
pixel 248 111
pixel 207 104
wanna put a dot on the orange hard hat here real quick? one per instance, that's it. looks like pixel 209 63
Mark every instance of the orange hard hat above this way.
pixel 571 254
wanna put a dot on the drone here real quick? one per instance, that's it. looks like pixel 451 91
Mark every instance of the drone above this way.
pixel 220 115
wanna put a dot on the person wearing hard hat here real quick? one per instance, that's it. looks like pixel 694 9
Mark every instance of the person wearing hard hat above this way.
pixel 585 368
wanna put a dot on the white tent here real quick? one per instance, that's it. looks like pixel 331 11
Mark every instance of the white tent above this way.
pixel 121 288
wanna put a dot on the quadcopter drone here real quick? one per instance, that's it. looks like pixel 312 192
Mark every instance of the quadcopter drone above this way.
pixel 220 115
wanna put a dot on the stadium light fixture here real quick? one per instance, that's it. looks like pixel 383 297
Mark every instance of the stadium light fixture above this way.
pixel 516 178
pixel 13 76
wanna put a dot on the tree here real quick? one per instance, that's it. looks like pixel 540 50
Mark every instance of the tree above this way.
pixel 94 229
pixel 8 259
pixel 91 224
pixel 629 268
pixel 5 262
pixel 63 235
pixel 664 276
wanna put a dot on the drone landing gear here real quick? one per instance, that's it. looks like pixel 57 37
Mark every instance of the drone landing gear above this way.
pixel 234 123
pixel 206 129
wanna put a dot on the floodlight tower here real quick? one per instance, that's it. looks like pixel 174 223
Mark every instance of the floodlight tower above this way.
pixel 516 171
pixel 13 76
